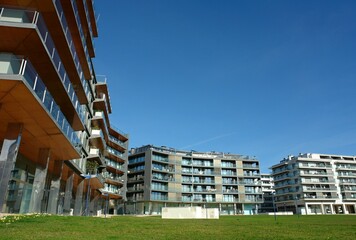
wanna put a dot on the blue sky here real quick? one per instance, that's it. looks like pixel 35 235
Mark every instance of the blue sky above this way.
pixel 260 78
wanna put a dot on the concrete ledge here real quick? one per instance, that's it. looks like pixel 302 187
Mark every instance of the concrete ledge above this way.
pixel 190 213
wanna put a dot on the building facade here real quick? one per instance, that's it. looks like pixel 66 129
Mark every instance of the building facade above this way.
pixel 165 177
pixel 316 184
pixel 268 191
pixel 55 135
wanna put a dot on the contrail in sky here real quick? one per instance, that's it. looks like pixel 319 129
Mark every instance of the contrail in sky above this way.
pixel 207 140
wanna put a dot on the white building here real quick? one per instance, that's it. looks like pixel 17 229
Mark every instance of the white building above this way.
pixel 316 184
pixel 268 190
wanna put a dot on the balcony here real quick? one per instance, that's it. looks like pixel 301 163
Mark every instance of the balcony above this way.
pixel 96 181
pixel 113 179
pixel 115 167
pixel 85 20
pixel 230 191
pixel 119 134
pixel 92 18
pixel 28 30
pixel 346 166
pixel 96 155
pixel 203 181
pixel 114 153
pixel 118 143
pixel 112 193
pixel 26 99
pixel 97 139
pixel 68 51
pixel 251 166
pixel 319 188
pixel 228 165
pixel 228 173
pixel 314 197
pixel 348 188
pixel 230 199
pixel 99 122
pixel 347 175
pixel 73 19
pixel 314 165
pixel 244 182
pixel 202 163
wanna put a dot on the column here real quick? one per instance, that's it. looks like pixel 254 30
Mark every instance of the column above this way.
pixel 8 157
pixel 55 187
pixel 306 209
pixel 68 194
pixel 332 208
pixel 39 181
pixel 343 208
pixel 94 204
pixel 78 205
pixel 322 209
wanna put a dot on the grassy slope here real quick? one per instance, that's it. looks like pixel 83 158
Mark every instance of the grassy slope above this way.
pixel 227 227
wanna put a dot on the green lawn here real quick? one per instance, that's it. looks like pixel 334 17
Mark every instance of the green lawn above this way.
pixel 227 227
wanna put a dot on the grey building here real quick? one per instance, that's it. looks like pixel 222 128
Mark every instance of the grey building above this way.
pixel 161 176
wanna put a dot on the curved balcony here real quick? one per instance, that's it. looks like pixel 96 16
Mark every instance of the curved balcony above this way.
pixel 25 33
pixel 36 108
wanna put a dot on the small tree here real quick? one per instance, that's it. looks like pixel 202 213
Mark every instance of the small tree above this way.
pixel 92 167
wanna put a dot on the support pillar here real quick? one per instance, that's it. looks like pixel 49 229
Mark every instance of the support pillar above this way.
pixel 332 208
pixel 39 181
pixel 343 208
pixel 78 205
pixel 55 187
pixel 68 194
pixel 8 157
pixel 93 205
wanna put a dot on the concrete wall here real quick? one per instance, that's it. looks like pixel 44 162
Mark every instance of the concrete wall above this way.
pixel 190 213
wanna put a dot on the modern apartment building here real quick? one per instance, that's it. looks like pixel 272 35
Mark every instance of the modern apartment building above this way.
pixel 316 184
pixel 165 177
pixel 59 152
pixel 268 191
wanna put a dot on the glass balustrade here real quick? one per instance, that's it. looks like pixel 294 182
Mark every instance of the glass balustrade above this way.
pixel 114 152
pixel 12 65
pixel 82 37
pixel 34 17
pixel 70 42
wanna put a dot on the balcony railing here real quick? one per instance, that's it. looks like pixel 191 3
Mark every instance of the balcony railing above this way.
pixel 69 38
pixel 114 164
pixel 82 37
pixel 34 17
pixel 18 66
pixel 117 141
pixel 119 131
pixel 114 152
pixel 88 19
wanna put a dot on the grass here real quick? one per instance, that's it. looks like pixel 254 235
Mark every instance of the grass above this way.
pixel 227 227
